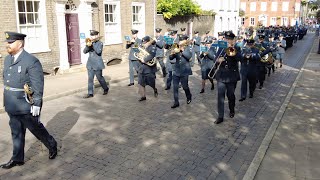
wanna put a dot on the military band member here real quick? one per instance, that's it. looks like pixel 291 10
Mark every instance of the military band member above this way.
pixel 196 47
pixel 183 31
pixel 250 57
pixel 160 51
pixel 207 36
pixel 207 61
pixel 133 63
pixel 262 66
pixel 180 58
pixel 281 43
pixel 22 68
pixel 95 63
pixel 147 73
pixel 169 62
pixel 227 77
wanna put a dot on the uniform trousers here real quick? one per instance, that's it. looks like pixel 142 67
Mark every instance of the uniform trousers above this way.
pixel 184 82
pixel 133 65
pixel 169 79
pixel 18 125
pixel 261 74
pixel 102 81
pixel 245 78
pixel 223 89
pixel 195 55
pixel 163 67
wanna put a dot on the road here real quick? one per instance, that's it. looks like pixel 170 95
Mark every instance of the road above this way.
pixel 117 137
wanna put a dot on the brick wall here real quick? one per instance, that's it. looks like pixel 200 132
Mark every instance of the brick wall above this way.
pixel 9 23
pixel 291 13
pixel 199 23
pixel 118 51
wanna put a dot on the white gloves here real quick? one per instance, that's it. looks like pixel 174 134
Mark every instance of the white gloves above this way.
pixel 35 110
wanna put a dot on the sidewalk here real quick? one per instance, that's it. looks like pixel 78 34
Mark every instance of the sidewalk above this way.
pixel 60 85
pixel 294 151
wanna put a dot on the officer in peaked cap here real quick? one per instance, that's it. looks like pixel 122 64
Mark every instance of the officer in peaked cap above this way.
pixel 23 108
pixel 169 62
pixel 183 31
pixel 220 35
pixel 134 43
pixel 227 76
pixel 196 40
pixel 160 50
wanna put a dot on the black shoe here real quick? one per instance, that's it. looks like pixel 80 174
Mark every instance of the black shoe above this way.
pixel 167 88
pixel 231 115
pixel 251 95
pixel 188 101
pixel 155 92
pixel 242 99
pixel 280 65
pixel 260 87
pixel 88 96
pixel 212 87
pixel 202 91
pixel 11 164
pixel 105 92
pixel 142 99
pixel 131 84
pixel 53 153
pixel 175 106
pixel 218 121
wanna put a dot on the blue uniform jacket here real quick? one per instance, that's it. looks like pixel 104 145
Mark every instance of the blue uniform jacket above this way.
pixel 228 70
pixel 207 60
pixel 26 69
pixel 95 61
pixel 160 46
pixel 248 66
pixel 196 43
pixel 131 56
pixel 145 69
pixel 181 66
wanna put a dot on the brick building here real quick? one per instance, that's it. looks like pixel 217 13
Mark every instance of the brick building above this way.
pixel 56 29
pixel 271 12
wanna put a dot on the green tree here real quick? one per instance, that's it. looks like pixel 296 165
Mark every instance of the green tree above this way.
pixel 171 8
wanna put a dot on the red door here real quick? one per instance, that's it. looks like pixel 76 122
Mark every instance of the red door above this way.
pixel 73 39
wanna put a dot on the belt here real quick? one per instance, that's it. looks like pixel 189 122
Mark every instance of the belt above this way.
pixel 12 89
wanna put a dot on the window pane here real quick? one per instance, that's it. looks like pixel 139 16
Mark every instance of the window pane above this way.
pixel 30 18
pixel 36 6
pixel 22 18
pixel 111 18
pixel 21 6
pixel 37 18
pixel 106 8
pixel 106 17
pixel 110 9
pixel 29 6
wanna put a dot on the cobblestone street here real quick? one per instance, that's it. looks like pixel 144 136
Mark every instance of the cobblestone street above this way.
pixel 117 137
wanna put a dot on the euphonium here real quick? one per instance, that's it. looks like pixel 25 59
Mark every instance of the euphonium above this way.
pixel 141 54
pixel 264 58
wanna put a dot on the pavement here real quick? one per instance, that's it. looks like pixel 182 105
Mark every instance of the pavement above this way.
pixel 116 137
pixel 294 150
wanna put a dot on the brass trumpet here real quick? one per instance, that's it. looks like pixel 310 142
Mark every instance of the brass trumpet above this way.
pixel 89 41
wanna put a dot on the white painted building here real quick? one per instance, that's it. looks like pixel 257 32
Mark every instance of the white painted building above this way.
pixel 227 14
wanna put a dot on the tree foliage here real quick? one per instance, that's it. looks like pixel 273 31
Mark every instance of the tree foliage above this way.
pixel 171 8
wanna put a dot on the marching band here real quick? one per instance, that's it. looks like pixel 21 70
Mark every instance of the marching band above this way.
pixel 227 59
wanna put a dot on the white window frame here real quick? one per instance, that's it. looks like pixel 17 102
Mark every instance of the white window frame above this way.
pixel 284 21
pixel 274 6
pixel 254 21
pixel 285 6
pixel 243 6
pixel 263 6
pixel 112 28
pixel 141 18
pixel 36 41
pixel 297 6
pixel 253 6
pixel 273 21
pixel 243 20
